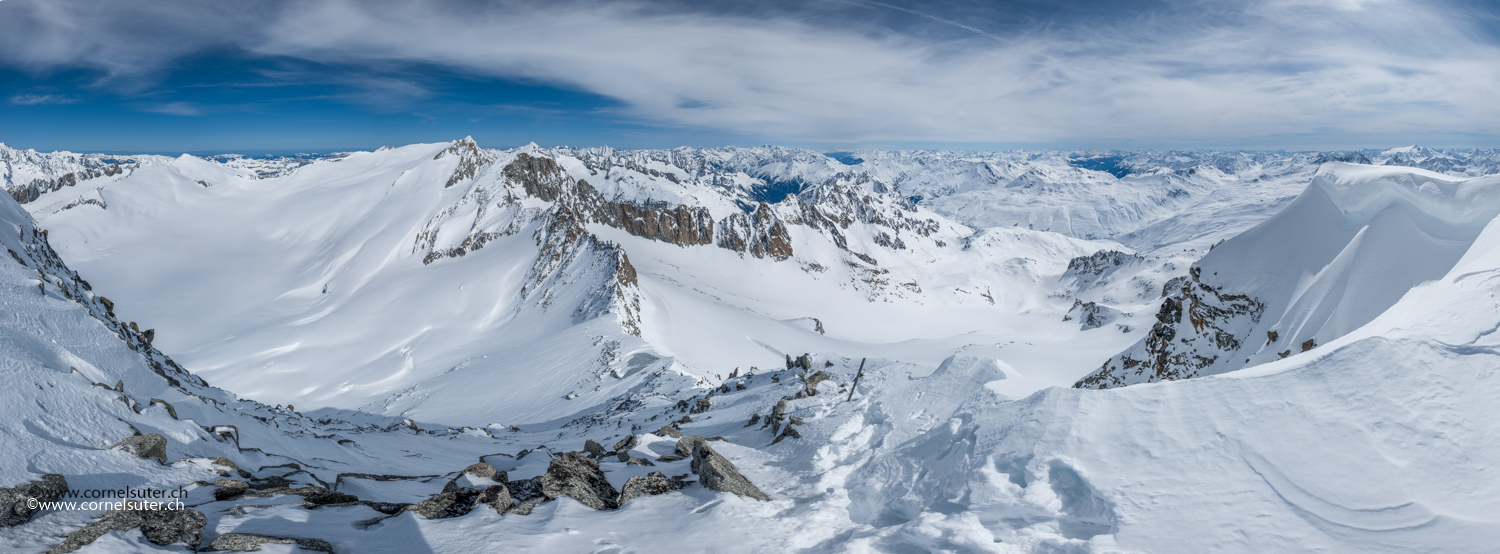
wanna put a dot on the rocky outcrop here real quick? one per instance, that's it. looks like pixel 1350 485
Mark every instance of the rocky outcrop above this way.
pixel 160 526
pixel 230 488
pixel 59 280
pixel 1196 326
pixel 1091 315
pixel 18 504
pixel 813 380
pixel 37 187
pixel 669 431
pixel 575 475
pixel 1095 269
pixel 685 445
pixel 651 484
pixel 759 233
pixel 594 449
pixel 460 502
pixel 250 542
pixel 717 473
pixel 150 445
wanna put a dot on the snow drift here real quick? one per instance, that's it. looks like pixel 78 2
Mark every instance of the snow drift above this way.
pixel 1346 250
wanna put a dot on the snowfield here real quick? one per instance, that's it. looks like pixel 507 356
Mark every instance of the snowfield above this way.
pixel 324 349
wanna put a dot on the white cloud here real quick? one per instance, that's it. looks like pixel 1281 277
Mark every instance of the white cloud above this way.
pixel 36 99
pixel 1276 68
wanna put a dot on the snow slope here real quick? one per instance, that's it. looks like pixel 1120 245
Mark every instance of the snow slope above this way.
pixel 396 281
pixel 956 437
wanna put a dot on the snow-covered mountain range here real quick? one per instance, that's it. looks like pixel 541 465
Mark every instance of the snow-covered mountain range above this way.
pixel 899 349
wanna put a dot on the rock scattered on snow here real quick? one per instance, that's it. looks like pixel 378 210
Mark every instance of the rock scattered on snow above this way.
pixel 669 431
pixel 717 473
pixel 813 380
pixel 230 488
pixel 594 449
pixel 579 477
pixel 15 505
pixel 161 526
pixel 651 484
pixel 150 445
pixel 250 542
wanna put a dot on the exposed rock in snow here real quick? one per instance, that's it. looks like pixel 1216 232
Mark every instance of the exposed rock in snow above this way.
pixel 18 504
pixel 250 542
pixel 161 526
pixel 150 445
pixel 717 473
pixel 575 475
pixel 651 484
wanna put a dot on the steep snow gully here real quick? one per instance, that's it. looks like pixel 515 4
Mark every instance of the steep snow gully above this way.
pixel 589 350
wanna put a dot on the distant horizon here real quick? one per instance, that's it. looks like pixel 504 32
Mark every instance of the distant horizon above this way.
pixel 274 152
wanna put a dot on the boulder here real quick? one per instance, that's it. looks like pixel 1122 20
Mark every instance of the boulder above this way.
pixel 478 475
pixel 685 445
pixel 594 449
pixel 638 462
pixel 250 542
pixel 717 473
pixel 15 503
pixel 813 380
pixel 497 497
pixel 626 443
pixel 230 488
pixel 525 494
pixel 160 526
pixel 575 475
pixel 650 484
pixel 448 504
pixel 669 431
pixel 754 419
pixel 226 462
pixel 149 445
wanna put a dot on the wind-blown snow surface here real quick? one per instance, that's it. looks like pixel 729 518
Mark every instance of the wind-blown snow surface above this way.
pixel 1377 441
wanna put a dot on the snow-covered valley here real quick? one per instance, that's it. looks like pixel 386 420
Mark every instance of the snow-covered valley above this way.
pixel 902 351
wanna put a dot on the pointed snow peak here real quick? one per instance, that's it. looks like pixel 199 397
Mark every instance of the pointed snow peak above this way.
pixel 529 148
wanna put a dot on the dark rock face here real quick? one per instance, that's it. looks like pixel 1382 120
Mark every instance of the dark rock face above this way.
pixel 576 476
pixel 462 501
pixel 160 526
pixel 594 449
pixel 15 502
pixel 1095 269
pixel 497 497
pixel 717 473
pixel 650 484
pixel 447 504
pixel 250 542
pixel 150 445
pixel 759 233
pixel 1196 327
pixel 625 444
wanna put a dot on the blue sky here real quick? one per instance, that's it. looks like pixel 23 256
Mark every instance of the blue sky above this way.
pixel 269 76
